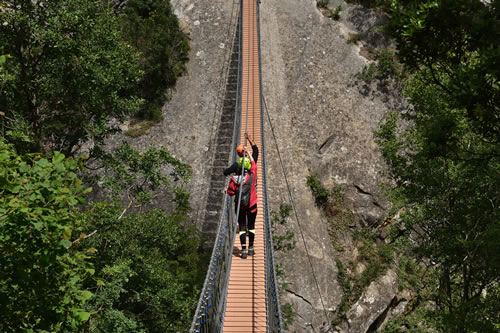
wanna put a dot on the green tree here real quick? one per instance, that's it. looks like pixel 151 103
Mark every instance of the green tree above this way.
pixel 445 153
pixel 149 264
pixel 41 273
pixel 126 174
pixel 457 41
pixel 149 270
pixel 71 73
pixel 152 27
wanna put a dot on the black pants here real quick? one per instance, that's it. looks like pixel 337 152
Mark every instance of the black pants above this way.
pixel 246 221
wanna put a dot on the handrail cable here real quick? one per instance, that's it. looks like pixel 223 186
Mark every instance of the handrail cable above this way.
pixel 246 124
pixel 295 210
pixel 273 308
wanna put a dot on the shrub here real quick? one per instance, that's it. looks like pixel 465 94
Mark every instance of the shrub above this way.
pixel 284 242
pixel 387 65
pixel 288 315
pixel 367 74
pixel 335 13
pixel 322 3
pixel 353 38
pixel 320 193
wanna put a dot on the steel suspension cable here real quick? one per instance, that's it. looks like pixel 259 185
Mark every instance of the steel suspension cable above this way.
pixel 295 210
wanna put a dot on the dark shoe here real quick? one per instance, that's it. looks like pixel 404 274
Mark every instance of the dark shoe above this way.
pixel 250 251
pixel 244 254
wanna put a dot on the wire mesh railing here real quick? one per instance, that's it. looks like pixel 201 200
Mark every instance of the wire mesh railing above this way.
pixel 209 311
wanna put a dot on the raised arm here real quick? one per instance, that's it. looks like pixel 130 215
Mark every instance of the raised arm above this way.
pixel 255 149
pixel 250 140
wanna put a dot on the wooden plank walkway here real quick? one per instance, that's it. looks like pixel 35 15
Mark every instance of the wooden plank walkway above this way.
pixel 246 297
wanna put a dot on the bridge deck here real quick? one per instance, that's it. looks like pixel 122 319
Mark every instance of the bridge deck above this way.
pixel 246 297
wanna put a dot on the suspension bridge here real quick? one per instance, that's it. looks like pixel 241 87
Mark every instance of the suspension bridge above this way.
pixel 241 295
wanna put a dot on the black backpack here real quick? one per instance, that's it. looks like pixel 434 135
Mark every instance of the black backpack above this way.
pixel 246 190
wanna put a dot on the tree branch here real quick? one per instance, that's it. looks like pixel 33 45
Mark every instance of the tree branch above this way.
pixel 76 241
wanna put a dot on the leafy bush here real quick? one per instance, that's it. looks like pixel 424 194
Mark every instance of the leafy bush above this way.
pixel 335 13
pixel 288 315
pixel 377 260
pixel 387 64
pixel 320 193
pixel 322 3
pixel 367 74
pixel 130 175
pixel 284 242
pixel 386 67
pixel 41 272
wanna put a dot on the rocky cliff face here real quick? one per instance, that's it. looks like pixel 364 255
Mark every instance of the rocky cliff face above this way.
pixel 323 122
pixel 320 119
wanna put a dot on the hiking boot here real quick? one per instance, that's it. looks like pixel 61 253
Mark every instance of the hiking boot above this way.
pixel 250 251
pixel 244 254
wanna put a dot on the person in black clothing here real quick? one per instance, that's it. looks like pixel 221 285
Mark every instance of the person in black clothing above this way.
pixel 246 218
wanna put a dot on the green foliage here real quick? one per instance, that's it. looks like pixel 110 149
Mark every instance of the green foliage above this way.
pixel 70 72
pixel 367 74
pixel 149 265
pixel 376 259
pixel 387 65
pixel 288 315
pixel 457 42
pixel 372 3
pixel 332 203
pixel 152 27
pixel 335 13
pixel 446 171
pixel 353 38
pixel 409 273
pixel 65 75
pixel 5 76
pixel 322 3
pixel 344 280
pixel 320 193
pixel 139 127
pixel 149 270
pixel 127 172
pixel 420 321
pixel 284 242
pixel 41 276
pixel 445 159
pixel 385 68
